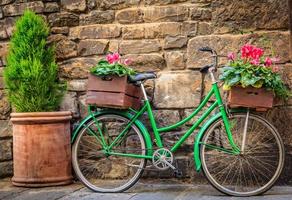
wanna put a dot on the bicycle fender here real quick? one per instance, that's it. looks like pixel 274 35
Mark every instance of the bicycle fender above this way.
pixel 198 139
pixel 125 114
pixel 202 131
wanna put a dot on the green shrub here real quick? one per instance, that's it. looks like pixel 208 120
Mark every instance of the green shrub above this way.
pixel 31 73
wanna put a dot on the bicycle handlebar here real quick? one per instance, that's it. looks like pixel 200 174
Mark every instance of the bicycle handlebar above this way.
pixel 214 55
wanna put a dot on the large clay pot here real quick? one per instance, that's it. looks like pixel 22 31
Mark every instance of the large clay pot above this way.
pixel 41 149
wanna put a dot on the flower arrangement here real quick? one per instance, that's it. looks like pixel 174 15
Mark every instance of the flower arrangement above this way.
pixel 252 68
pixel 113 65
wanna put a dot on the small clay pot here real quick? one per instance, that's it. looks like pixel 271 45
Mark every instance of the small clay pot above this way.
pixel 41 149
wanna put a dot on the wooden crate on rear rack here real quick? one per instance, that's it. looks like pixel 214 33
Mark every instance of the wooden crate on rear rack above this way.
pixel 258 98
pixel 113 92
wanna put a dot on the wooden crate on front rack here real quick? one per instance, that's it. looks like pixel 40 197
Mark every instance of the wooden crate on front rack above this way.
pixel 113 92
pixel 257 98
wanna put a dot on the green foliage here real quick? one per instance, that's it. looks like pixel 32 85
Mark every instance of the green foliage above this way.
pixel 104 68
pixel 246 74
pixel 31 72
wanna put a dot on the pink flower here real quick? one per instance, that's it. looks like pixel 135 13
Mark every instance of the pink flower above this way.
pixel 113 58
pixel 275 69
pixel 275 59
pixel 255 62
pixel 127 61
pixel 231 56
pixel 268 61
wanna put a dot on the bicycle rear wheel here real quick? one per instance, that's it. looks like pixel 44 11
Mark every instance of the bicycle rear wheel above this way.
pixel 252 172
pixel 108 173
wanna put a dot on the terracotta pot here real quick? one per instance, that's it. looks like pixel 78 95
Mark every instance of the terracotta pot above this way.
pixel 113 92
pixel 41 149
pixel 258 98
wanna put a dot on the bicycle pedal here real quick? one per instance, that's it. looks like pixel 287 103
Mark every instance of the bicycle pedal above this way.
pixel 178 173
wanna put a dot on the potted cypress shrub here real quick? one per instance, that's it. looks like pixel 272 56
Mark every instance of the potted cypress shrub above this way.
pixel 41 137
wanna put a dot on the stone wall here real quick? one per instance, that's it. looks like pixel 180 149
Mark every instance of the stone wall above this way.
pixel 158 35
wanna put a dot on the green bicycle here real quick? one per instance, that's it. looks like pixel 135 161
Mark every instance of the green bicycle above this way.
pixel 240 153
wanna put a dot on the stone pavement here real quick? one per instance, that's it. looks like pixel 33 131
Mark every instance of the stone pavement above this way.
pixel 144 190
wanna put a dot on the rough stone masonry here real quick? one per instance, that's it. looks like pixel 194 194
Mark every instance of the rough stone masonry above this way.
pixel 158 35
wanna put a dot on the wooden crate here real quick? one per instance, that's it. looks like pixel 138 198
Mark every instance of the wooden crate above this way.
pixel 258 98
pixel 113 92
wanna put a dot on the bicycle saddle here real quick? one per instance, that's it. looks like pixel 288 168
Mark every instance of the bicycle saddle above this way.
pixel 142 77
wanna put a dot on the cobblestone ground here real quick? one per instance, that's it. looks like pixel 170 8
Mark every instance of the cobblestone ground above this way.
pixel 144 190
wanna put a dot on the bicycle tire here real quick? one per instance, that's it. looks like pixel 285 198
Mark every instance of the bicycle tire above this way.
pixel 91 182
pixel 240 165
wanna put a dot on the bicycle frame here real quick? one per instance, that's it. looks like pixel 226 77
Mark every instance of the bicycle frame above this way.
pixel 147 108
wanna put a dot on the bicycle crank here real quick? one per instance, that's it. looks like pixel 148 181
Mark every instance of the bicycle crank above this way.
pixel 162 159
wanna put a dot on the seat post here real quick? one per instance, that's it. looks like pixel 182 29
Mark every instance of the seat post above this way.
pixel 143 90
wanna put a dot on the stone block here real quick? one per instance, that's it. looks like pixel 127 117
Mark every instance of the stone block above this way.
pixel 1 13
pixel 82 106
pixel 76 68
pixel 139 46
pixel 6 27
pixel 92 47
pixel 162 2
pixel 5 107
pixel 162 30
pixel 114 46
pixel 51 7
pixel 95 31
pixel 19 8
pixel 166 117
pixel 133 32
pixel 175 42
pixel 91 4
pixel 97 17
pixel 224 44
pixel 66 49
pixel 69 103
pixel 77 85
pixel 5 150
pixel 63 19
pixel 177 89
pixel 198 13
pixel 3 50
pixel 205 28
pixel 189 28
pixel 60 30
pixel 6 169
pixel 130 16
pixel 151 31
pixel 5 129
pixel 165 14
pixel 116 4
pixel 175 60
pixel 249 15
pixel 146 62
pixel 4 2
pixel 74 5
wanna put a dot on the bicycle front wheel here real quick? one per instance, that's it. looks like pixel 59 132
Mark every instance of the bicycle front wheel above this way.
pixel 254 170
pixel 100 171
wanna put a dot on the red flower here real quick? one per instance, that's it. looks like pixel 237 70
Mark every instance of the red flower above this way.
pixel 251 52
pixel 255 62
